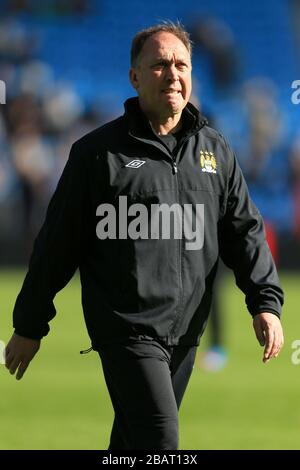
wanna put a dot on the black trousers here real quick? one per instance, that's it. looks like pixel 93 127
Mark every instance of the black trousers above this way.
pixel 146 382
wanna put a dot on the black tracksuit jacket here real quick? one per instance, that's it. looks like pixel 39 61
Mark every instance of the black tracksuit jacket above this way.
pixel 155 286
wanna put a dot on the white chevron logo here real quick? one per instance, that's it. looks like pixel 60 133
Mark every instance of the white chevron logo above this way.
pixel 135 163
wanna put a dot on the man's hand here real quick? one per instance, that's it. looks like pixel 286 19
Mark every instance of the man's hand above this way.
pixel 269 333
pixel 19 352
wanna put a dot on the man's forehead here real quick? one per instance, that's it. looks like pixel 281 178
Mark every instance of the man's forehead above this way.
pixel 165 45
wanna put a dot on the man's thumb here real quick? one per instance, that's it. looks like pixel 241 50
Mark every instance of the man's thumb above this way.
pixel 259 335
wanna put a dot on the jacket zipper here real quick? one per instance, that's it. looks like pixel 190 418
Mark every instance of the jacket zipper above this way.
pixel 180 241
pixel 175 173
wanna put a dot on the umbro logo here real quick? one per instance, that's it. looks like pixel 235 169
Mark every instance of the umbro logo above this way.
pixel 135 163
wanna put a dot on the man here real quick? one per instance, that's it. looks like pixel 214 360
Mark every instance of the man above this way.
pixel 125 212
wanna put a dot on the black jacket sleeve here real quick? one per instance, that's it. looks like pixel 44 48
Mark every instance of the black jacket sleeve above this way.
pixel 57 250
pixel 243 246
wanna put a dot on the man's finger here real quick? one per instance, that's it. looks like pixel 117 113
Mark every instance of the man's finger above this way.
pixel 275 346
pixel 259 334
pixel 21 370
pixel 280 342
pixel 8 358
pixel 269 344
pixel 261 339
pixel 14 365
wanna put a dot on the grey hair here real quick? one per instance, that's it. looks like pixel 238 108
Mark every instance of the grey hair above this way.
pixel 168 27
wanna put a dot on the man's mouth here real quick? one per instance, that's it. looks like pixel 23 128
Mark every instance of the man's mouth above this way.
pixel 170 91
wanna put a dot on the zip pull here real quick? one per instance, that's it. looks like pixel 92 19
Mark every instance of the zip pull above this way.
pixel 175 169
pixel 86 351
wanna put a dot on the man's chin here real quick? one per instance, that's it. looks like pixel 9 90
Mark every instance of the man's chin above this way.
pixel 175 105
pixel 175 109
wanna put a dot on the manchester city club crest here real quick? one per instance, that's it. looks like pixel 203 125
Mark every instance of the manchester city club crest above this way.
pixel 208 162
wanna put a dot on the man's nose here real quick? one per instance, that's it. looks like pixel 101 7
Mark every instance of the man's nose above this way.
pixel 172 73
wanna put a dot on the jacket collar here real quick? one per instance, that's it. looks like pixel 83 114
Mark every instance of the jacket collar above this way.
pixel 139 125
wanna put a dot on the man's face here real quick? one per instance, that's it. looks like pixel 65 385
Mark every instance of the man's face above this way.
pixel 162 76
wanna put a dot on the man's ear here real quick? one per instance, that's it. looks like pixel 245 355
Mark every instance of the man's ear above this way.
pixel 133 78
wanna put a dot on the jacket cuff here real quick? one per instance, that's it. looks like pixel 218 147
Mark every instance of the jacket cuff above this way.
pixel 266 310
pixel 31 334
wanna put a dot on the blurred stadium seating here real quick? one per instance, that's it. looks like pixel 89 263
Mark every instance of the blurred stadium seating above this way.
pixel 67 62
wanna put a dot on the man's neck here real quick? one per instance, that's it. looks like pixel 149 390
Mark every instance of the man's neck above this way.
pixel 170 126
pixel 164 125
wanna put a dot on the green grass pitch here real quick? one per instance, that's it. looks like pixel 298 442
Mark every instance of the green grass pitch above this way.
pixel 62 401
